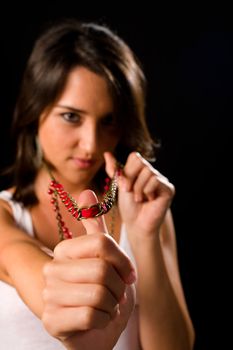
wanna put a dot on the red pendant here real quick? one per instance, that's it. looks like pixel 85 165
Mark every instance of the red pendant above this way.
pixel 89 212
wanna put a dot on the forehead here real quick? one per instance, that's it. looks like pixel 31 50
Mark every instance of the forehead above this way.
pixel 88 91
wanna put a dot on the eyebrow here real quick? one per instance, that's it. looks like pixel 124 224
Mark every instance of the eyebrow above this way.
pixel 76 110
pixel 81 111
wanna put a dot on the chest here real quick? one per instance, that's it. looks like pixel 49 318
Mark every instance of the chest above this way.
pixel 45 223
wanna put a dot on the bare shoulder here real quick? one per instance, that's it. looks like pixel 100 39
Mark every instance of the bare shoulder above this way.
pixel 5 208
pixel 10 235
pixel 6 224
pixel 6 216
pixel 9 230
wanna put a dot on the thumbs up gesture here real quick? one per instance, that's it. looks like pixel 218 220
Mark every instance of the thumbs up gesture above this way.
pixel 89 292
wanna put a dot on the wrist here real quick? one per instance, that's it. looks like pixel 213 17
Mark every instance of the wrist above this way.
pixel 143 241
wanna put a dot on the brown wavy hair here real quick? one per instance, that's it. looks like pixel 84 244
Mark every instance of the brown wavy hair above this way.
pixel 64 45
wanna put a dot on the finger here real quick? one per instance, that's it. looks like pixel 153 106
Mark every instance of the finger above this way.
pixel 97 246
pixel 92 271
pixel 59 321
pixel 132 167
pixel 110 168
pixel 151 187
pixel 158 185
pixel 141 183
pixel 110 163
pixel 80 294
pixel 129 302
pixel 96 224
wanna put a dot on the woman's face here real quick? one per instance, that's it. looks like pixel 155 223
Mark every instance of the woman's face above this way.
pixel 79 127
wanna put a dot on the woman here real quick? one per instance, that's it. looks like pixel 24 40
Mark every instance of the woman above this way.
pixel 80 112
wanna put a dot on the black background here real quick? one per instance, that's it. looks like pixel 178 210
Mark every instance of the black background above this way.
pixel 187 57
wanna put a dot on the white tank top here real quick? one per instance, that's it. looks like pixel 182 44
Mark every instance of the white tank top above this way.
pixel 20 329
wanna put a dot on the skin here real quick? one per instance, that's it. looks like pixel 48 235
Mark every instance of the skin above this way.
pixel 78 135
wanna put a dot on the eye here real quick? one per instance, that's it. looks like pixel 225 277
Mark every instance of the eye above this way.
pixel 71 117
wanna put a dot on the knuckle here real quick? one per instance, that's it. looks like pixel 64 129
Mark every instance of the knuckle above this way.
pixel 49 323
pixel 136 156
pixel 97 295
pixel 61 249
pixel 93 318
pixel 47 295
pixel 138 186
pixel 121 292
pixel 101 243
pixel 133 156
pixel 88 318
pixel 142 160
pixel 58 250
pixel 149 192
pixel 101 270
pixel 172 189
pixel 47 269
pixel 169 195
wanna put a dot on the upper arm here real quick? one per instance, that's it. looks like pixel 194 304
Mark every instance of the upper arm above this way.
pixel 21 261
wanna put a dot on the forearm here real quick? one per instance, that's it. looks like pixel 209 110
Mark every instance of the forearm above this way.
pixel 23 262
pixel 163 322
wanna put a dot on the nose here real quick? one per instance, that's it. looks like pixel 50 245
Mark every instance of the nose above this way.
pixel 88 141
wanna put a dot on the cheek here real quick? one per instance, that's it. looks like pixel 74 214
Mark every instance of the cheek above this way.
pixel 45 139
pixel 51 140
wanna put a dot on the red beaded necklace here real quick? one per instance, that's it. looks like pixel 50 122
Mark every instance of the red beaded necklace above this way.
pixel 56 190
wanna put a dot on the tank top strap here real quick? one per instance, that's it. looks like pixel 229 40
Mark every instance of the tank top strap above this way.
pixel 21 215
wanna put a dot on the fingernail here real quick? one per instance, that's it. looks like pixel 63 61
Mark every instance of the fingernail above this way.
pixel 138 154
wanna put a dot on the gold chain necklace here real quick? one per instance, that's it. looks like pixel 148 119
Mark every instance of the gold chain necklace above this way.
pixel 56 190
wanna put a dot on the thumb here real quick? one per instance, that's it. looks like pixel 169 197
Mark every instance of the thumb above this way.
pixel 110 164
pixel 86 199
pixel 110 168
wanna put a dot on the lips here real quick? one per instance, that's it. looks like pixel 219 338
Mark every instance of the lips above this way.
pixel 83 163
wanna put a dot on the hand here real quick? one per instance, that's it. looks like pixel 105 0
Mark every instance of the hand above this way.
pixel 88 297
pixel 144 194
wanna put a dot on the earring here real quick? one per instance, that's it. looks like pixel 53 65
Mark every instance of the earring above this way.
pixel 39 153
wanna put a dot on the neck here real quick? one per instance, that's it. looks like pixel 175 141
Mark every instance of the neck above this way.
pixel 57 190
pixel 44 177
pixel 62 199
